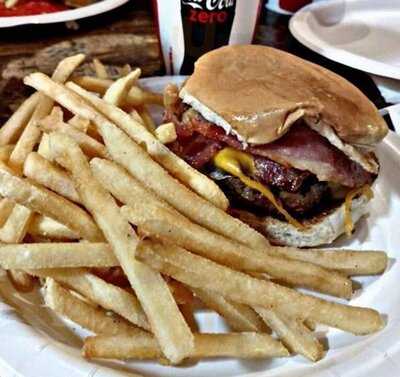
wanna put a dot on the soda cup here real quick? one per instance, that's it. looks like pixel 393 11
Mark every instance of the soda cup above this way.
pixel 190 28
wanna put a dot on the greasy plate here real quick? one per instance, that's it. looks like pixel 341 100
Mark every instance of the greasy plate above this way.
pixel 363 34
pixel 36 343
pixel 99 7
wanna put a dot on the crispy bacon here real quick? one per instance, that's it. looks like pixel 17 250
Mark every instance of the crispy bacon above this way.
pixel 301 148
pixel 305 149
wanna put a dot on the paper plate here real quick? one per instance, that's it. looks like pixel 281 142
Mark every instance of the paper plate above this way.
pixel 99 7
pixel 362 34
pixel 36 343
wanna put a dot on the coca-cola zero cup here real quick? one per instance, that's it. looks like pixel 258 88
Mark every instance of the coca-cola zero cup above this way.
pixel 190 28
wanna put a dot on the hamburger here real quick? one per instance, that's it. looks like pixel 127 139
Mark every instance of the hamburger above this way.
pixel 289 142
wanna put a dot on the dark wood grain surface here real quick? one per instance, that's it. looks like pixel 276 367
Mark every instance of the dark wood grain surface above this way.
pixel 126 35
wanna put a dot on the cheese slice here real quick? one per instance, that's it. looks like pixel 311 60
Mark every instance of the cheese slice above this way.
pixel 348 221
pixel 235 162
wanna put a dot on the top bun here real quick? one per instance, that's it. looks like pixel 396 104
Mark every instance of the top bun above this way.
pixel 258 92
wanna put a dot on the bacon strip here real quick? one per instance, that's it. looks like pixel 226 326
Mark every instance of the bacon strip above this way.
pixel 301 148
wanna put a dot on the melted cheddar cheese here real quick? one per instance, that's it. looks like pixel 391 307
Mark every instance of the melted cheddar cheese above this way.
pixel 348 221
pixel 238 164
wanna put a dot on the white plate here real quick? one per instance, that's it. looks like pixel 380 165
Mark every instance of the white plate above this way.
pixel 35 343
pixel 362 34
pixel 99 7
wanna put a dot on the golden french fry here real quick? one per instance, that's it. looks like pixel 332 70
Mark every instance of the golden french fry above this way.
pixel 42 171
pixel 118 90
pixel 142 347
pixel 198 182
pixel 93 84
pixel 349 262
pixel 246 345
pixel 12 129
pixel 166 321
pixel 15 227
pixel 44 148
pixel 91 146
pixel 21 281
pixel 5 152
pixel 195 271
pixel 125 70
pixel 292 332
pixel 238 316
pixel 31 134
pixel 42 226
pixel 166 226
pixel 6 207
pixel 94 319
pixel 79 123
pixel 100 69
pixel 108 296
pixel 56 255
pixel 166 133
pixel 139 97
pixel 39 199
pixel 147 119
pixel 135 97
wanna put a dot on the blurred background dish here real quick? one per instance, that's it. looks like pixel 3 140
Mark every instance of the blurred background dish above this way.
pixel 355 33
pixel 22 12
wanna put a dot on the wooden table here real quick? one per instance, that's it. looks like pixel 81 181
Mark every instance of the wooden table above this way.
pixel 125 35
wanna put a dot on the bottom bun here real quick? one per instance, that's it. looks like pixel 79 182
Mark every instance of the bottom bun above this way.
pixel 319 231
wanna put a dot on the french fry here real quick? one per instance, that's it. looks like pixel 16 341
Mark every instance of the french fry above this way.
pixel 166 226
pixel 147 119
pixel 31 134
pixel 246 345
pixel 44 148
pixel 166 133
pixel 238 316
pixel 41 200
pixel 100 69
pixel 292 332
pixel 135 115
pixel 118 90
pixel 198 182
pixel 56 255
pixel 195 271
pixel 124 347
pixel 91 146
pixel 42 226
pixel 5 152
pixel 15 227
pixel 349 262
pixel 11 130
pixel 167 323
pixel 139 97
pixel 21 281
pixel 108 296
pixel 42 171
pixel 135 97
pixel 94 319
pixel 79 123
pixel 6 207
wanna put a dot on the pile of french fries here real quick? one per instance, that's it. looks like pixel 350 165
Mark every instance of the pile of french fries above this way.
pixel 88 185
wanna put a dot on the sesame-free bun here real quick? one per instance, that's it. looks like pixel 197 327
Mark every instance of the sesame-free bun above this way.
pixel 258 92
pixel 322 229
